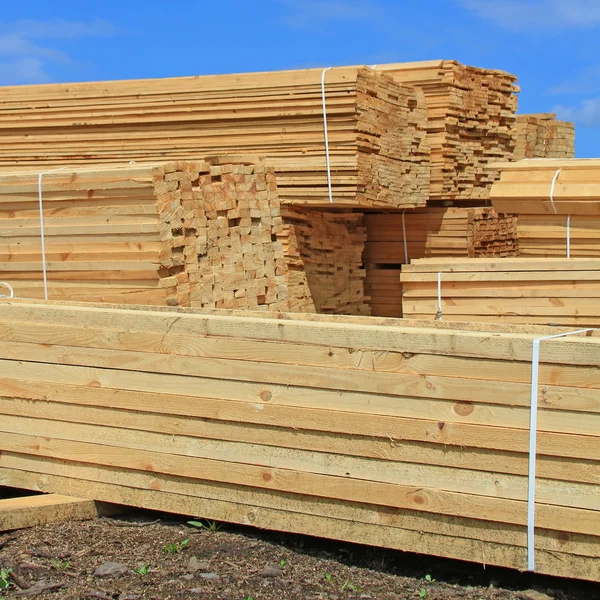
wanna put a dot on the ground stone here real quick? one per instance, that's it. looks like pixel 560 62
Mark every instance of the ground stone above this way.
pixel 111 569
pixel 271 571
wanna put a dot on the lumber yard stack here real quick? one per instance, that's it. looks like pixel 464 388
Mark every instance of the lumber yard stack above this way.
pixel 546 291
pixel 430 232
pixel 323 251
pixel 470 123
pixel 412 436
pixel 377 144
pixel 543 136
pixel 196 233
pixel 557 203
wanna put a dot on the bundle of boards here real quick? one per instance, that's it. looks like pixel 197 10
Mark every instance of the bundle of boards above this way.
pixel 543 136
pixel 376 140
pixel 557 203
pixel 408 435
pixel 182 233
pixel 470 123
pixel 431 231
pixel 323 251
pixel 544 291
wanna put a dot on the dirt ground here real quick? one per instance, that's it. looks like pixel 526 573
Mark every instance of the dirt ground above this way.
pixel 160 557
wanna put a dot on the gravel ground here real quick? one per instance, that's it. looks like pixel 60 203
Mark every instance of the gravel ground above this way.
pixel 154 556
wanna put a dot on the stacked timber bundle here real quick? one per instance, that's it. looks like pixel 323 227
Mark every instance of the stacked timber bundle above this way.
pixel 557 203
pixel 466 232
pixel 376 135
pixel 545 291
pixel 543 136
pixel 182 233
pixel 471 114
pixel 323 252
pixel 411 436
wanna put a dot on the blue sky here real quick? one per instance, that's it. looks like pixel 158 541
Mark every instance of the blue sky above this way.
pixel 553 46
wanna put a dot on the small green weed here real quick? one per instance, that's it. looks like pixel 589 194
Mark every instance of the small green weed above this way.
pixel 61 565
pixel 350 586
pixel 423 593
pixel 176 548
pixel 283 563
pixel 5 582
pixel 429 579
pixel 328 577
pixel 143 569
pixel 211 526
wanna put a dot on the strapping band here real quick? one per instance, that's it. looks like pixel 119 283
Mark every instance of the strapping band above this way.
pixel 438 315
pixel 404 237
pixel 11 291
pixel 533 416
pixel 326 134
pixel 552 190
pixel 42 236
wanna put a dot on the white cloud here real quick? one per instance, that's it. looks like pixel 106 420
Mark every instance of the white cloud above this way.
pixel 586 115
pixel 26 47
pixel 308 13
pixel 532 15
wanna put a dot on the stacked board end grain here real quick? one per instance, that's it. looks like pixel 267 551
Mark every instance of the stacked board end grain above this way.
pixel 406 435
pixel 378 150
pixel 324 254
pixel 545 291
pixel 452 231
pixel 543 136
pixel 557 203
pixel 195 233
pixel 470 123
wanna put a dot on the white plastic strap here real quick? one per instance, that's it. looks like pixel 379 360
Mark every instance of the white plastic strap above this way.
pixel 42 236
pixel 533 415
pixel 326 134
pixel 404 237
pixel 552 190
pixel 569 236
pixel 438 316
pixel 11 291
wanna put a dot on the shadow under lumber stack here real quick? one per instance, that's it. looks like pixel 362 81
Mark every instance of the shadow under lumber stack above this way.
pixel 566 225
pixel 199 233
pixel 376 129
pixel 443 232
pixel 324 255
pixel 543 136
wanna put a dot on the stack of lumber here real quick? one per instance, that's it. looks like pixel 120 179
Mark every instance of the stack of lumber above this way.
pixel 182 233
pixel 557 235
pixel 572 224
pixel 376 129
pixel 411 436
pixel 545 291
pixel 323 253
pixel 525 187
pixel 471 113
pixel 543 136
pixel 452 231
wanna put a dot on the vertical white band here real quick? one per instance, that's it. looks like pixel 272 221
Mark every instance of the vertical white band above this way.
pixel 42 235
pixel 533 414
pixel 438 316
pixel 552 190
pixel 404 237
pixel 328 161
pixel 569 236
